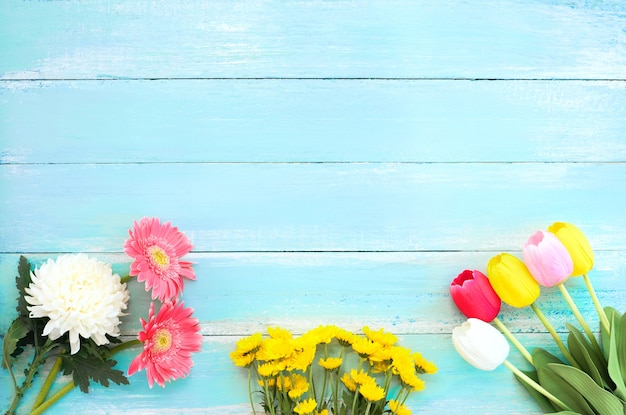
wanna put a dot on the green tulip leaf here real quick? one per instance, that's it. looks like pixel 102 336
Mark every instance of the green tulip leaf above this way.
pixel 603 402
pixel 611 314
pixel 588 359
pixel 562 390
pixel 620 336
pixel 545 403
pixel 616 360
pixel 557 386
pixel 542 357
pixel 563 413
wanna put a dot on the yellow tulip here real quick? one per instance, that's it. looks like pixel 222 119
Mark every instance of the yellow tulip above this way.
pixel 511 280
pixel 576 244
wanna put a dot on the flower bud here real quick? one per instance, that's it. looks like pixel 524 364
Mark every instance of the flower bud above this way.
pixel 473 295
pixel 480 344
pixel 512 281
pixel 576 244
pixel 547 259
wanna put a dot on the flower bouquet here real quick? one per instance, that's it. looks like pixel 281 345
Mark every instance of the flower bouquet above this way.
pixel 352 375
pixel 587 377
pixel 69 310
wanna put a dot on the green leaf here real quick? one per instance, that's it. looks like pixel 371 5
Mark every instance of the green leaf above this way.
pixel 620 336
pixel 603 402
pixel 17 331
pixel 588 359
pixel 88 364
pixel 553 383
pixel 563 413
pixel 545 403
pixel 611 314
pixel 22 281
pixel 615 360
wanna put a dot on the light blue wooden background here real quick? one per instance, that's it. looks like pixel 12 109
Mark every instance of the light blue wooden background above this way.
pixel 332 162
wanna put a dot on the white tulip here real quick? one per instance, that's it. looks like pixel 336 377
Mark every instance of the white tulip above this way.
pixel 480 344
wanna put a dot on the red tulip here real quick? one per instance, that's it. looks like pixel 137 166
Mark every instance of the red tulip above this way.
pixel 473 295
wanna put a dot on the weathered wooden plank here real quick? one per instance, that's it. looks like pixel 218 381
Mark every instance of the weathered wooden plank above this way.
pixel 216 387
pixel 406 293
pixel 314 120
pixel 310 207
pixel 401 38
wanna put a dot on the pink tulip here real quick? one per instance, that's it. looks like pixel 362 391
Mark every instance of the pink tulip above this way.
pixel 547 259
pixel 473 295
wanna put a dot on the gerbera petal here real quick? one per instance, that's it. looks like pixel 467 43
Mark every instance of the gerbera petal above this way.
pixel 156 248
pixel 169 339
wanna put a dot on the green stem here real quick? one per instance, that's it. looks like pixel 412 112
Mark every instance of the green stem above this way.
pixel 553 333
pixel 580 318
pixel 43 393
pixel 324 387
pixel 513 340
pixel 125 278
pixel 369 405
pixel 407 392
pixel 70 385
pixel 61 393
pixel 603 318
pixel 123 346
pixel 38 358
pixel 536 386
pixel 356 395
pixel 250 391
pixel 325 376
pixel 268 400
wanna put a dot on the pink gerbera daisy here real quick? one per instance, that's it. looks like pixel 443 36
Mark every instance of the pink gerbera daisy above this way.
pixel 169 339
pixel 157 249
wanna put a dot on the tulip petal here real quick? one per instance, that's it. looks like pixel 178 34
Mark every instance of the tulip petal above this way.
pixel 480 344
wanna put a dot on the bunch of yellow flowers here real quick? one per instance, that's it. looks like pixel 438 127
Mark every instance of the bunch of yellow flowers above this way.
pixel 357 373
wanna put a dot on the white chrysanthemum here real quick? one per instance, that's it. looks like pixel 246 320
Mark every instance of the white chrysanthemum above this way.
pixel 79 295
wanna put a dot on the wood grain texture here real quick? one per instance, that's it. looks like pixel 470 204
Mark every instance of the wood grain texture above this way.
pixel 332 162
pixel 312 121
pixel 385 39
pixel 310 207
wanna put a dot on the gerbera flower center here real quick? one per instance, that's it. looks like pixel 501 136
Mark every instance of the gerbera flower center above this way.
pixel 162 340
pixel 158 257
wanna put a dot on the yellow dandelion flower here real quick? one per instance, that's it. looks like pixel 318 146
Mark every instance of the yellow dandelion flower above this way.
pixel 299 381
pixel 380 336
pixel 322 334
pixel 344 337
pixel 283 383
pixel 422 365
pixel 295 393
pixel 305 407
pixel 398 409
pixel 267 370
pixel 372 392
pixel 279 333
pixel 410 379
pixel 380 367
pixel 380 354
pixel 322 412
pixel 347 380
pixel 274 349
pixel 365 347
pixel 360 377
pixel 331 363
pixel 401 360
pixel 301 359
pixel 241 359
pixel 249 344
